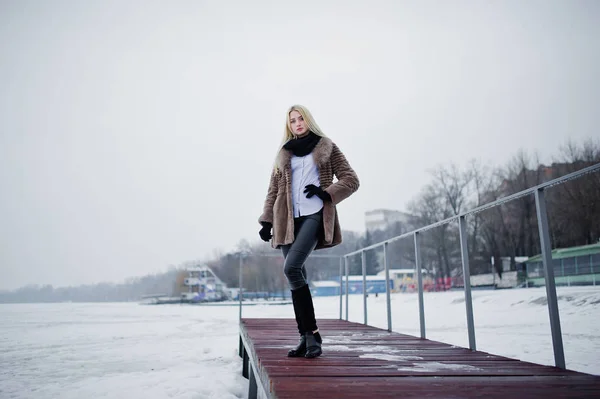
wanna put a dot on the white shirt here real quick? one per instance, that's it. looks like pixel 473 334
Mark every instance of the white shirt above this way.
pixel 304 172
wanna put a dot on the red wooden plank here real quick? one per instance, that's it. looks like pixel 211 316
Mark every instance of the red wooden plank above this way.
pixel 280 355
pixel 436 387
pixel 324 361
pixel 429 370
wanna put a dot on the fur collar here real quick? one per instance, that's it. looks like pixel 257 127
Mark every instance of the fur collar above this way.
pixel 321 154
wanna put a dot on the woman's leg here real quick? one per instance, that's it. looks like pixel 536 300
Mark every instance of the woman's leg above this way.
pixel 296 271
pixel 307 231
pixel 284 250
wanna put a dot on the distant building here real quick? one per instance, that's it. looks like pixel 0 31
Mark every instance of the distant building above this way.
pixel 572 266
pixel 201 284
pixel 375 285
pixel 325 288
pixel 380 219
pixel 507 264
pixel 405 280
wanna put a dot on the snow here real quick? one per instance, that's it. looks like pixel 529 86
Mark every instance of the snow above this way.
pixel 424 367
pixel 119 351
pixel 126 350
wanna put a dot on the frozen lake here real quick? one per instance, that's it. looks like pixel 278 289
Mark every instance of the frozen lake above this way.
pixel 125 350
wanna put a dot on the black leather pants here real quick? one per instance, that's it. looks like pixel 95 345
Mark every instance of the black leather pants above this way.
pixel 306 231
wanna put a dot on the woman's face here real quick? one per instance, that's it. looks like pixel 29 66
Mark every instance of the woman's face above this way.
pixel 298 124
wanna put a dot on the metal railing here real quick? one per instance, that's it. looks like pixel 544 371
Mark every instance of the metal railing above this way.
pixel 542 219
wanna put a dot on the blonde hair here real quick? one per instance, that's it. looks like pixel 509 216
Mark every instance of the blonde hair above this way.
pixel 308 119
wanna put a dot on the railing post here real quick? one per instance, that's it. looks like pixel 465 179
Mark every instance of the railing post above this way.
pixel 591 265
pixel 364 274
pixel 341 280
pixel 542 218
pixel 241 280
pixel 252 387
pixel 592 271
pixel 245 364
pixel 420 282
pixel 464 248
pixel 347 291
pixel 388 299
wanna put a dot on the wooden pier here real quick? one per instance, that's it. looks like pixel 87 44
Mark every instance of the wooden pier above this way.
pixel 361 361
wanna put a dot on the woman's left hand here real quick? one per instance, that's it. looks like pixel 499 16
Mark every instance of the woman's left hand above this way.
pixel 311 190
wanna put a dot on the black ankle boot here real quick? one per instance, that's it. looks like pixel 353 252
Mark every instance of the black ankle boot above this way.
pixel 300 350
pixel 313 347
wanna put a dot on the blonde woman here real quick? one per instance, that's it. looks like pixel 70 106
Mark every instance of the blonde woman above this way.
pixel 300 208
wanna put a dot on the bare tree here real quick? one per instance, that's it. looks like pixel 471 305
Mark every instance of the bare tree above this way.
pixel 446 196
pixel 574 206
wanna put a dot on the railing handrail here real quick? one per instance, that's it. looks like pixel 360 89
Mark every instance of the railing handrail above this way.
pixel 542 218
pixel 481 208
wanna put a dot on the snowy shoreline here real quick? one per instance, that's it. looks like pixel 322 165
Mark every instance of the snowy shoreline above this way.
pixel 73 350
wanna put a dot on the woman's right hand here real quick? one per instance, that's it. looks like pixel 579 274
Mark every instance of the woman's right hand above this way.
pixel 265 232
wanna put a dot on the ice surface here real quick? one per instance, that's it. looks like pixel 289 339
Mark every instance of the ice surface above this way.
pixel 126 350
pixel 119 351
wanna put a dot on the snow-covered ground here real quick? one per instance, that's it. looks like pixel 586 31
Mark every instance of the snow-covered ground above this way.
pixel 181 351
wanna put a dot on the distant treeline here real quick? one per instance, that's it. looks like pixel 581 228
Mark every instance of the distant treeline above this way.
pixel 509 230
pixel 506 231
pixel 131 290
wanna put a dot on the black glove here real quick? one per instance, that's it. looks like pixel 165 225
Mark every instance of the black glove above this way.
pixel 265 232
pixel 311 190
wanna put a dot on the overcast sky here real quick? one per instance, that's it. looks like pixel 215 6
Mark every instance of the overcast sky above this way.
pixel 135 135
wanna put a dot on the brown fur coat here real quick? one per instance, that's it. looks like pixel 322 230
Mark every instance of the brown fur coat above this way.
pixel 278 208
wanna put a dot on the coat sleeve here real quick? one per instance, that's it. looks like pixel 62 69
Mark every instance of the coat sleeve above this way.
pixel 347 180
pixel 267 215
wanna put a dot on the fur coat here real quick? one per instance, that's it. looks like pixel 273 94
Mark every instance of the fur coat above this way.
pixel 278 208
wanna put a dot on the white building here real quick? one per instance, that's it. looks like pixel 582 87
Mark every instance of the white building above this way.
pixel 203 285
pixel 380 219
pixel 406 279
